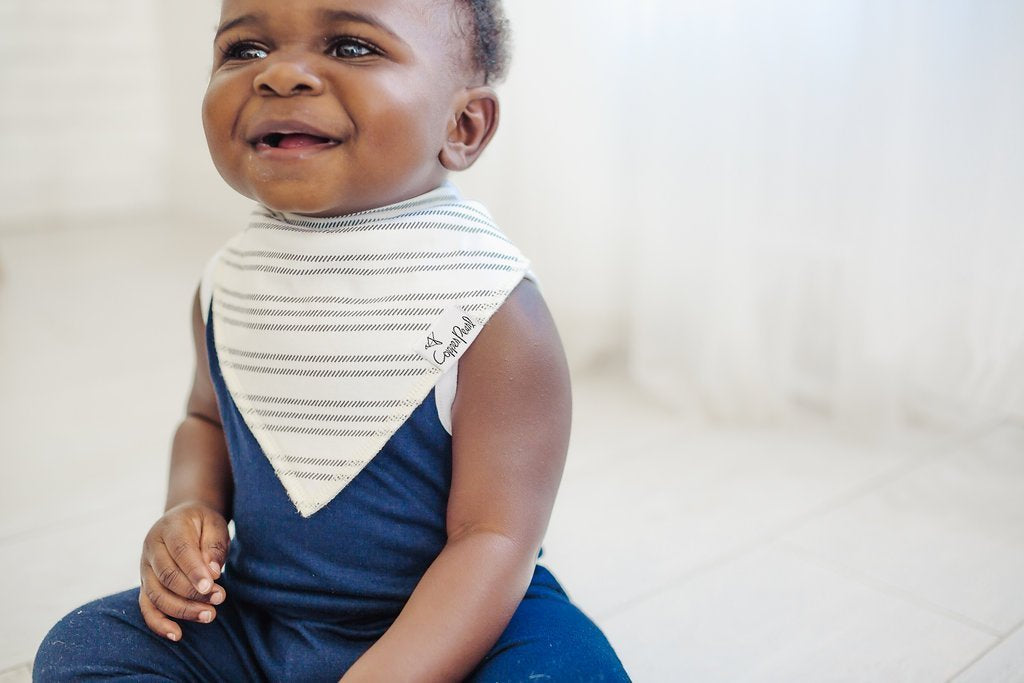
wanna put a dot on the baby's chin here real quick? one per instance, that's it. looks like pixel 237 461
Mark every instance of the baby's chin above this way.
pixel 300 196
pixel 306 203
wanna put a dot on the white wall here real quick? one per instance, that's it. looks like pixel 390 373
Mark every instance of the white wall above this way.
pixel 82 122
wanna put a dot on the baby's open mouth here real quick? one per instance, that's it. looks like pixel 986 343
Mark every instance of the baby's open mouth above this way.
pixel 292 140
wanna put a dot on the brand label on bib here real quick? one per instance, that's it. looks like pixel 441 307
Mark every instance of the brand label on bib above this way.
pixel 449 336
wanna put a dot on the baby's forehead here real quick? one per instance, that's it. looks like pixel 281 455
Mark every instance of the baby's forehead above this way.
pixel 448 15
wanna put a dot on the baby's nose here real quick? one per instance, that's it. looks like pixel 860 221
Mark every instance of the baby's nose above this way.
pixel 286 78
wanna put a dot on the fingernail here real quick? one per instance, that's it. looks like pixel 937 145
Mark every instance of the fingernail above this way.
pixel 217 598
pixel 171 636
pixel 206 617
pixel 204 586
pixel 215 567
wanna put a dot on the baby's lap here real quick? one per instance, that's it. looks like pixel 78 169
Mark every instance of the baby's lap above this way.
pixel 109 638
pixel 547 635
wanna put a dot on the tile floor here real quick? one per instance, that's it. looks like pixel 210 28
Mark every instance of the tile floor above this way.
pixel 717 555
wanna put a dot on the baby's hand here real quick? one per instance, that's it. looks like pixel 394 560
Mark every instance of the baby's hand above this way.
pixel 181 558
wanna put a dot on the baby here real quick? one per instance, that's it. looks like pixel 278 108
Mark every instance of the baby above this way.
pixel 380 403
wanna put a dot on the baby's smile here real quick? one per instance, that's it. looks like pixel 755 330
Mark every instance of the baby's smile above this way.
pixel 292 141
pixel 290 135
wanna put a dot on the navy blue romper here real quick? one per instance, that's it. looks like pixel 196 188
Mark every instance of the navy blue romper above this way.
pixel 307 596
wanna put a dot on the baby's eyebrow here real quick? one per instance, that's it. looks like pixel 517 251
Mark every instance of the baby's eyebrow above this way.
pixel 239 21
pixel 339 15
pixel 327 16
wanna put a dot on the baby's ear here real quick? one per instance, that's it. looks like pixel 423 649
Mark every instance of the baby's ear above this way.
pixel 472 127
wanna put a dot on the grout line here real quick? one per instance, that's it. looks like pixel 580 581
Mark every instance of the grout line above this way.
pixel 909 464
pixel 962 439
pixel 887 588
pixel 691 573
pixel 945 448
pixel 981 655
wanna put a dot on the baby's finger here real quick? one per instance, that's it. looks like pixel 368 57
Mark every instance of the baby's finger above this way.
pixel 174 580
pixel 174 605
pixel 214 542
pixel 156 621
pixel 182 545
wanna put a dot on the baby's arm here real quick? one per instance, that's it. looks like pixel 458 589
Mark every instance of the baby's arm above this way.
pixel 510 434
pixel 183 552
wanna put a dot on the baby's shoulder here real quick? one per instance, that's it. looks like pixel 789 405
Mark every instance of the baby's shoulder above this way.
pixel 517 353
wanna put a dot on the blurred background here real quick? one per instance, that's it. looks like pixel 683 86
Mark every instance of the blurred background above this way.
pixel 783 244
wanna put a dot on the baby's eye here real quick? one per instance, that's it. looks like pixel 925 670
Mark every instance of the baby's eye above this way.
pixel 351 48
pixel 244 51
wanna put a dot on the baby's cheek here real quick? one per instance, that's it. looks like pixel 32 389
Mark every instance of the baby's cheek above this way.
pixel 220 111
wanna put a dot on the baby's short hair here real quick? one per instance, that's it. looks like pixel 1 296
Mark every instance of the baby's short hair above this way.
pixel 489 37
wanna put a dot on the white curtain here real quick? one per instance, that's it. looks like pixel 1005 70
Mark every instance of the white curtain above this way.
pixel 829 208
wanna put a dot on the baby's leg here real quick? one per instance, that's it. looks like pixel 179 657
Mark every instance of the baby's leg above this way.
pixel 108 638
pixel 549 639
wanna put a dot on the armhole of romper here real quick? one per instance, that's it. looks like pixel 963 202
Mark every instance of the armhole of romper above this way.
pixel 444 396
pixel 448 383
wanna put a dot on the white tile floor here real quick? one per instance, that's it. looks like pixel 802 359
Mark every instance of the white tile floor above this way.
pixel 717 555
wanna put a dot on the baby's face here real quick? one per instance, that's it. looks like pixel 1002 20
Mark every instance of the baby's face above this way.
pixel 325 107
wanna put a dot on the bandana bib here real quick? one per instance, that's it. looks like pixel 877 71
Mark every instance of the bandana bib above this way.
pixel 331 331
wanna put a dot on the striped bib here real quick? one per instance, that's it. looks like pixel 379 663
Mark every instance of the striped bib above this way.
pixel 331 331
